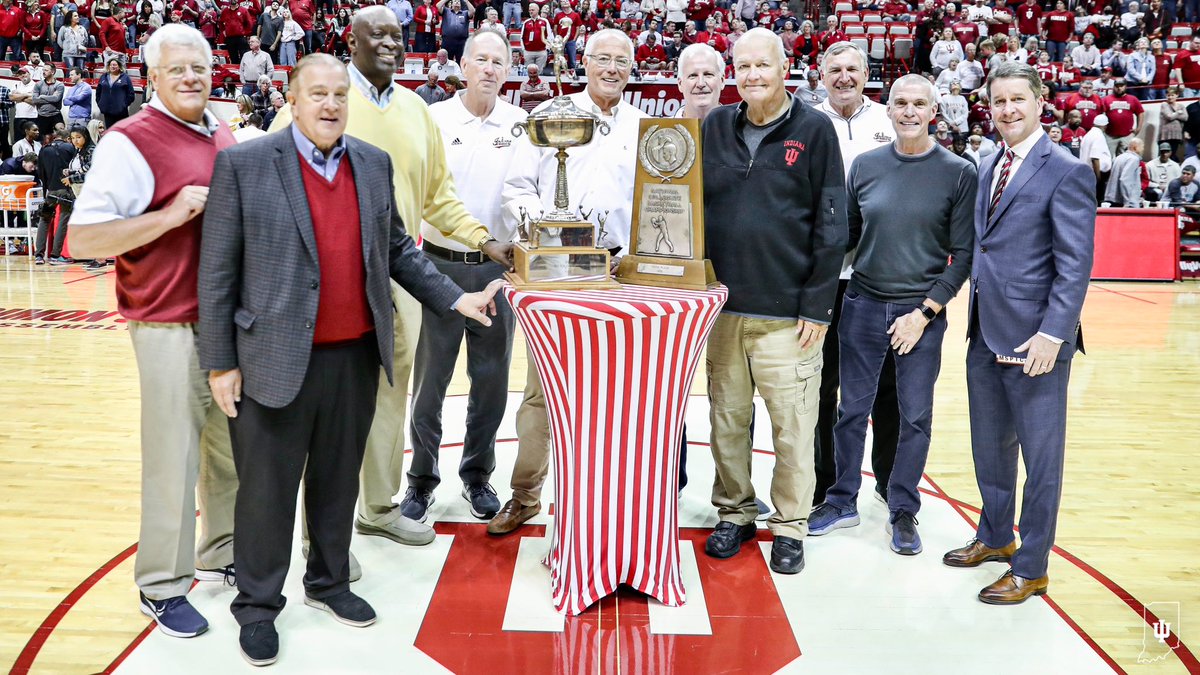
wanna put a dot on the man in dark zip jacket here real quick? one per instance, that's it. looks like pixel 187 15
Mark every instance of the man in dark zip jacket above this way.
pixel 775 212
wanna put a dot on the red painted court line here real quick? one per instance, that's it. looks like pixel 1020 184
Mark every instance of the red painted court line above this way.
pixel 1124 295
pixel 129 650
pixel 29 653
pixel 1184 654
pixel 85 278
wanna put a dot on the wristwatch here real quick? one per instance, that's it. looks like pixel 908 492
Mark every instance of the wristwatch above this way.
pixel 928 312
pixel 485 242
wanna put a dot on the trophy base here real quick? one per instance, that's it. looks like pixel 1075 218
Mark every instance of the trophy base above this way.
pixel 691 275
pixel 560 268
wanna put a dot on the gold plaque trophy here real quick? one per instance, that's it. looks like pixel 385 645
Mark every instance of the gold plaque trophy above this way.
pixel 560 250
pixel 667 234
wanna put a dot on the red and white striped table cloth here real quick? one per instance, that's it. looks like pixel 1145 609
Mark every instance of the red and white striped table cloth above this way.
pixel 616 366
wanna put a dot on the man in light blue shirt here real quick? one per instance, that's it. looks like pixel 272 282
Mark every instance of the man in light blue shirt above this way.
pixel 403 10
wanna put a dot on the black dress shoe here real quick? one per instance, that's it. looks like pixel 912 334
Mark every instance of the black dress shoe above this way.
pixel 726 540
pixel 787 555
pixel 259 643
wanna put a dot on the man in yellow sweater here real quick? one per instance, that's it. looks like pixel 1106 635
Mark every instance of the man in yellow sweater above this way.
pixel 396 120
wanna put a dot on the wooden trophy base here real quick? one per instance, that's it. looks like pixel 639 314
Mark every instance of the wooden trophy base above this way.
pixel 560 268
pixel 692 275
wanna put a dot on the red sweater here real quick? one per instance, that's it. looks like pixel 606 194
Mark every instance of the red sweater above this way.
pixel 12 20
pixel 34 25
pixel 342 311
pixel 112 34
pixel 157 282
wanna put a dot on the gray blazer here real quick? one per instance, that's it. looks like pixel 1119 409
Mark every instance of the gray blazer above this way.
pixel 259 276
pixel 1034 261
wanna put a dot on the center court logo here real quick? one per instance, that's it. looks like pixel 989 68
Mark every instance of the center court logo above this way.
pixel 1161 631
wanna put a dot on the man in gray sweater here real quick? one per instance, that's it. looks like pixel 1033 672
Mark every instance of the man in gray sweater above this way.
pixel 1125 183
pixel 911 208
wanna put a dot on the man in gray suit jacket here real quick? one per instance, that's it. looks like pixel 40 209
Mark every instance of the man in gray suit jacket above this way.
pixel 1034 223
pixel 296 311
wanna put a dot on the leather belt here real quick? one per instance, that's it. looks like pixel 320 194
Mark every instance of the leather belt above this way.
pixel 467 257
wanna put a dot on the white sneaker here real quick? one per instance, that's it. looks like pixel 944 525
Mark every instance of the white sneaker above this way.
pixel 402 530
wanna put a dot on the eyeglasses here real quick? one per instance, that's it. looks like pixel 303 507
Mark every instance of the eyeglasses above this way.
pixel 604 61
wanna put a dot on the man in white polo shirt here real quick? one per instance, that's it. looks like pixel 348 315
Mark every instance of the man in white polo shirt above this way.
pixel 477 134
pixel 861 125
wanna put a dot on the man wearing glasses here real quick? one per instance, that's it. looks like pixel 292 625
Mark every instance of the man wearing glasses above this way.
pixel 600 175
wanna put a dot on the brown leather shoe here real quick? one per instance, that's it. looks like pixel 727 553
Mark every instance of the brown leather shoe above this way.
pixel 511 516
pixel 976 553
pixel 1011 589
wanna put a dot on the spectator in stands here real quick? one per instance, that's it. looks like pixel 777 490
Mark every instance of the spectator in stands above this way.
pixel 255 63
pixel 289 40
pixel 788 35
pixel 941 134
pixel 253 128
pixel 965 30
pixel 954 109
pixel 73 40
pixel 970 70
pixel 209 22
pixel 12 20
pixel 339 27
pixel 261 98
pixel 81 139
pixel 1164 68
pixel 805 47
pixel 245 108
pixel 30 142
pixel 535 33
pixel 779 16
pixel 77 99
pixel 277 101
pixel 1073 132
pixel 1029 19
pixel 456 25
pixel 1114 58
pixel 1069 76
pixel 676 13
pixel 1086 56
pixel 1093 149
pixel 34 27
pixel 237 19
pixel 948 77
pixel 270 30
pixel 832 33
pixel 512 15
pixel 1163 169
pixel 454 84
pixel 986 145
pixel 1131 23
pixel 1059 27
pixel 1171 117
pixel 431 92
pixel 403 9
pixel 145 22
pixel 567 23
pixel 1181 192
pixel 1125 116
pixel 944 51
pixel 227 89
pixel 443 66
pixel 53 162
pixel 112 35
pixel 1140 69
pixel 812 91
pixel 1086 102
pixel 1125 182
pixel 534 89
pixel 1156 22
pixel 96 129
pixel 426 18
pixel 651 56
pixel 48 96
pixel 1104 85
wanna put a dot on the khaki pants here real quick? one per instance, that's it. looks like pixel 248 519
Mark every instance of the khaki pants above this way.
pixel 185 446
pixel 533 440
pixel 745 354
pixel 383 464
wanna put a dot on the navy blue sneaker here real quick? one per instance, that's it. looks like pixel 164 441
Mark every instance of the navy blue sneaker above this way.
pixel 416 503
pixel 903 528
pixel 175 616
pixel 483 500
pixel 827 517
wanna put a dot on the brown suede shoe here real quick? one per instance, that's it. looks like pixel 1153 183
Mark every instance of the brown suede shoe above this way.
pixel 511 516
pixel 1011 589
pixel 976 553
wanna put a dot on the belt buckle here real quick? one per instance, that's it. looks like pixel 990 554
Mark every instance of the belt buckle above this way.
pixel 473 257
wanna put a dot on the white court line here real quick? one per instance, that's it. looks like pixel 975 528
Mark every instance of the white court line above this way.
pixel 530 605
pixel 690 618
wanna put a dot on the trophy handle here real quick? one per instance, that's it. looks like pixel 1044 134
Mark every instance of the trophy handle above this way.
pixel 518 129
pixel 603 127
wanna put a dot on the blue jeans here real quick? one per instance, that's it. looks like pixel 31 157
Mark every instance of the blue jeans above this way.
pixel 1057 50
pixel 13 43
pixel 570 53
pixel 287 54
pixel 512 15
pixel 864 342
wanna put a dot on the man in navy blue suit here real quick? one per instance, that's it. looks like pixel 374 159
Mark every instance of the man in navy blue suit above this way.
pixel 1034 223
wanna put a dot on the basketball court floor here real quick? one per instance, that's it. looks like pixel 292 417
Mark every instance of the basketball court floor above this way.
pixel 1125 581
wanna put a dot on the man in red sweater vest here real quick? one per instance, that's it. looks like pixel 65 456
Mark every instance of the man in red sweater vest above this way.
pixel 295 322
pixel 142 203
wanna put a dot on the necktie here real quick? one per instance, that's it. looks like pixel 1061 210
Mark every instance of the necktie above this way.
pixel 1002 182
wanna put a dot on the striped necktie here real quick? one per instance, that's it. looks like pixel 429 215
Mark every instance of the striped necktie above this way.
pixel 1002 182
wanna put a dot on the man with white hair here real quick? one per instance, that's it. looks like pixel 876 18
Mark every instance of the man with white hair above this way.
pixel 475 129
pixel 143 202
pixel 535 33
pixel 769 155
pixel 600 175
pixel 701 78
pixel 861 125
pixel 1125 183
pixel 911 210
pixel 812 91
